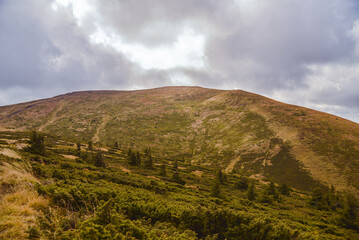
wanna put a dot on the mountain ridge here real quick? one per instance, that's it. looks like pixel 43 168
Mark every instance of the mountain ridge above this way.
pixel 229 129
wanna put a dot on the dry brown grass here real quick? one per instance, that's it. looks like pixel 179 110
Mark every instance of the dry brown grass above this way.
pixel 10 153
pixel 198 173
pixel 319 168
pixel 19 201
pixel 72 157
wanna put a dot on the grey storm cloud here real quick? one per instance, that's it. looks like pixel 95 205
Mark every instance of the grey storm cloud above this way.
pixel 298 51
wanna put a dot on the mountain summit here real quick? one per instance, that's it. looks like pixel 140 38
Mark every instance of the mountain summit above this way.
pixel 233 130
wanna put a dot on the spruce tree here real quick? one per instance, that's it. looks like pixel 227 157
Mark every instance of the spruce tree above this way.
pixel 350 215
pixel 148 164
pixel 216 189
pixel 284 189
pixel 318 199
pixel 242 183
pixel 90 145
pixel 36 143
pixel 251 192
pixel 163 170
pixel 221 178
pixel 78 149
pixel 99 160
pixel 138 158
pixel 131 157
pixel 271 188
pixel 177 178
pixel 175 165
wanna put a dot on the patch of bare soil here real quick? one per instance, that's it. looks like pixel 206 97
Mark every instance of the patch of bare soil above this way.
pixel 153 177
pixel 21 145
pixel 9 141
pixel 198 173
pixel 123 169
pixel 231 165
pixel 10 153
pixel 191 186
pixel 72 157
pixel 96 137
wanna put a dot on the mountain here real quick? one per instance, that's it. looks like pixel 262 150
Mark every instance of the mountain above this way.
pixel 233 130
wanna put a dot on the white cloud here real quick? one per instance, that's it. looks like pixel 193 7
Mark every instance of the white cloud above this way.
pixel 79 8
pixel 186 51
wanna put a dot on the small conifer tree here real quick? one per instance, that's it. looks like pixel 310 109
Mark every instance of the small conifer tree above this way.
pixel 90 147
pixel 99 160
pixel 216 189
pixel 251 195
pixel 177 178
pixel 284 189
pixel 138 158
pixel 148 163
pixel 175 165
pixel 36 143
pixel 78 149
pixel 163 170
pixel 221 178
pixel 242 183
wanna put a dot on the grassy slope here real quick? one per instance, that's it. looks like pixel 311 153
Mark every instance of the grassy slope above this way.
pixel 146 202
pixel 229 129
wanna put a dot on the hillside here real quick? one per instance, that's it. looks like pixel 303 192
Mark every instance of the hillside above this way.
pixel 236 131
pixel 57 189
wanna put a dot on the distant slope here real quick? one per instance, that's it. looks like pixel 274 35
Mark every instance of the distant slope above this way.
pixel 234 130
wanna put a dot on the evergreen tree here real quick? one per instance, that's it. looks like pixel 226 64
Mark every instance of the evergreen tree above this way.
pixel 78 149
pixel 242 183
pixel 285 189
pixel 99 160
pixel 163 170
pixel 138 158
pixel 177 178
pixel 318 199
pixel 271 188
pixel 175 165
pixel 148 161
pixel 216 189
pixel 251 195
pixel 131 157
pixel 350 215
pixel 36 143
pixel 272 191
pixel 220 177
pixel 90 145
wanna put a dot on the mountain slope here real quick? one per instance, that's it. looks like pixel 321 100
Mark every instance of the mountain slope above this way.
pixel 234 130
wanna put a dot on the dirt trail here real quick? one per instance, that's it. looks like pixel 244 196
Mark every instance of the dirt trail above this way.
pixel 53 117
pixel 96 137
pixel 231 165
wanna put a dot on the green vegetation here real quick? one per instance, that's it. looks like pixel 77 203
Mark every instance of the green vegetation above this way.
pixel 230 130
pixel 36 144
pixel 119 200
pixel 145 165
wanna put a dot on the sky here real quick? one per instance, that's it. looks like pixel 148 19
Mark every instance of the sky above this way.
pixel 303 52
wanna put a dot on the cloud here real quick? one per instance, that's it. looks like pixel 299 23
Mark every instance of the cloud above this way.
pixel 42 50
pixel 299 51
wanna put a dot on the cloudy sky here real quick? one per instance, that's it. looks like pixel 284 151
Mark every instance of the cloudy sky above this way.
pixel 304 52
